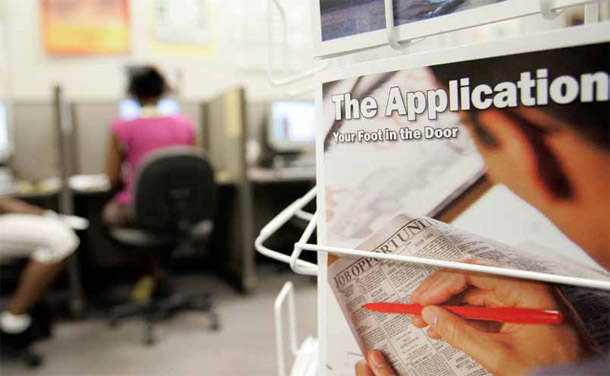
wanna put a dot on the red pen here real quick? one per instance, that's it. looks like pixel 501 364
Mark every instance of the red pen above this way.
pixel 501 314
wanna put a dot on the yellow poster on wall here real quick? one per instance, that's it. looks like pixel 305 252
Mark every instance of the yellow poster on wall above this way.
pixel 86 27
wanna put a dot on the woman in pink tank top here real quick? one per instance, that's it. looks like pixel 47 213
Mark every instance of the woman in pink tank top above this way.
pixel 132 140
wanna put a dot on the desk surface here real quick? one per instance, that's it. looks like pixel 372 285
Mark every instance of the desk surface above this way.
pixel 79 184
pixel 23 189
pixel 280 175
pixel 98 183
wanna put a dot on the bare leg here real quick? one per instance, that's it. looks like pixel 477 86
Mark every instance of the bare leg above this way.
pixel 34 282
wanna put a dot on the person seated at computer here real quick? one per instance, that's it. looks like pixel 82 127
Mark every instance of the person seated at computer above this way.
pixel 28 231
pixel 132 140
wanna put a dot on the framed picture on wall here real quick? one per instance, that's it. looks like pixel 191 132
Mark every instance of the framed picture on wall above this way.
pixel 341 26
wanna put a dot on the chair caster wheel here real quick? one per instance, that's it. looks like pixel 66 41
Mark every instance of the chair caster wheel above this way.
pixel 33 360
pixel 215 324
pixel 149 340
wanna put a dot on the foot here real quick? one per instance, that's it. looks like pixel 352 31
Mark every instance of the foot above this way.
pixel 16 341
pixel 144 289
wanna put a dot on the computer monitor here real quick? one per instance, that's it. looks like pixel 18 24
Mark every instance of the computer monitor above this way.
pixel 292 126
pixel 130 108
pixel 5 136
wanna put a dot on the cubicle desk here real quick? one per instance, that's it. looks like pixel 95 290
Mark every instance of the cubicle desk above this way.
pixel 92 120
pixel 100 252
pixel 99 255
pixel 221 130
pixel 44 199
pixel 272 191
pixel 260 175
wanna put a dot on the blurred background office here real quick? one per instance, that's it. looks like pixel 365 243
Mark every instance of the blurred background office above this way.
pixel 65 68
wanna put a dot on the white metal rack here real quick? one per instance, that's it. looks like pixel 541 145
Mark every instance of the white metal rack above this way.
pixel 549 9
pixel 402 36
pixel 294 209
pixel 391 28
pixel 307 268
pixel 307 354
pixel 271 74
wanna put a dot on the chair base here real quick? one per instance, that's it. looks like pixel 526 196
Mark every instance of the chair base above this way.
pixel 29 357
pixel 159 309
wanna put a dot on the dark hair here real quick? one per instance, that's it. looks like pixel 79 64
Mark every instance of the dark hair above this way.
pixel 146 83
pixel 589 119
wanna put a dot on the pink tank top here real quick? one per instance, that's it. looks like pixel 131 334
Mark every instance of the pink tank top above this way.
pixel 142 136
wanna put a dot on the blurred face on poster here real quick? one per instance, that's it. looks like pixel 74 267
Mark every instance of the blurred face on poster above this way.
pixel 552 152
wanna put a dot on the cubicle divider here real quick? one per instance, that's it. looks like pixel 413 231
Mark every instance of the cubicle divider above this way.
pixel 225 142
pixel 35 139
pixel 35 136
pixel 64 126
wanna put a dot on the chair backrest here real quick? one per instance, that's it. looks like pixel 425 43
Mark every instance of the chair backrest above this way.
pixel 174 189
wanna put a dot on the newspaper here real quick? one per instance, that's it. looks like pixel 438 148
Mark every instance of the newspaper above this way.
pixel 592 307
pixel 356 281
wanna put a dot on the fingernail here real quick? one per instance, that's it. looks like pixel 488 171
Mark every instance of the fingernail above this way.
pixel 377 359
pixel 430 316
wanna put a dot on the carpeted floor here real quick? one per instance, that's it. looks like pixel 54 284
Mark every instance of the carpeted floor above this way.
pixel 245 345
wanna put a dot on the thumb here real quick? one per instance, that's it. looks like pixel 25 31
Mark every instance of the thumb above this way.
pixel 461 335
pixel 362 369
pixel 378 364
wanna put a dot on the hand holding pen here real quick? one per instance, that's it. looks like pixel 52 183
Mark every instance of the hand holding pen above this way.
pixel 502 348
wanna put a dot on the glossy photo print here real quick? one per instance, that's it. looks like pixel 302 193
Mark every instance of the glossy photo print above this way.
pixel 403 142
pixel 342 18
pixel 341 26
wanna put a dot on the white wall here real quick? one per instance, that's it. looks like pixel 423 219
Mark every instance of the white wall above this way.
pixel 34 72
pixel 4 67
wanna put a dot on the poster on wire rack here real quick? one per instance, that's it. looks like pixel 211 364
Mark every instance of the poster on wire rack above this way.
pixel 342 26
pixel 400 139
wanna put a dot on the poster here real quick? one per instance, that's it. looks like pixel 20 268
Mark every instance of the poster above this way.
pixel 392 141
pixel 86 27
pixel 252 36
pixel 181 27
pixel 344 26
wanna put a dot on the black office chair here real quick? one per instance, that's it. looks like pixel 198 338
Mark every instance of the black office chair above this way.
pixel 174 194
